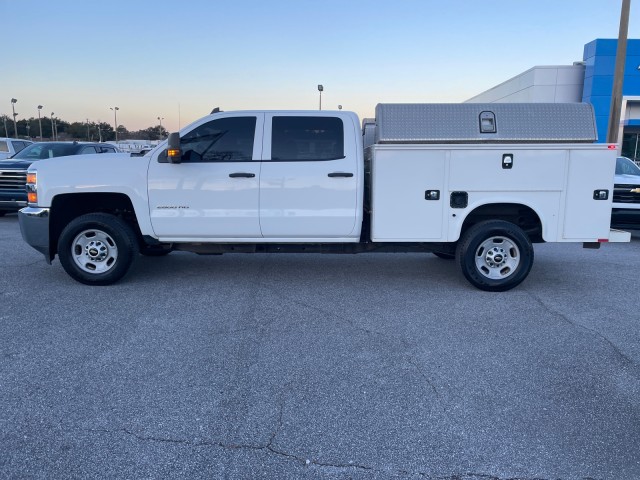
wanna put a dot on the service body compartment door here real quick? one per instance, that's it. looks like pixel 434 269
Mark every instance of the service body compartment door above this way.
pixel 587 218
pixel 309 178
pixel 214 192
pixel 407 193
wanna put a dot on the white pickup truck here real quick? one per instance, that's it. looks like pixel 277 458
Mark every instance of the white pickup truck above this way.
pixel 478 183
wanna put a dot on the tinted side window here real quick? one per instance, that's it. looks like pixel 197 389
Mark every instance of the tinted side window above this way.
pixel 17 146
pixel 4 147
pixel 307 138
pixel 106 149
pixel 89 150
pixel 222 140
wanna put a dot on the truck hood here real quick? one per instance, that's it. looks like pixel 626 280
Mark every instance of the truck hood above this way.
pixel 103 172
pixel 627 179
pixel 15 164
pixel 85 165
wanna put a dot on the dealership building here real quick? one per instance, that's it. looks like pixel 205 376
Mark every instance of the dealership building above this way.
pixel 591 81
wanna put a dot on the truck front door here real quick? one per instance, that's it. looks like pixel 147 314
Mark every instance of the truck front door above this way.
pixel 214 191
pixel 309 178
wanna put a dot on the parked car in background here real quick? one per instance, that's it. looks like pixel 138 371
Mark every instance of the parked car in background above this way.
pixel 625 211
pixel 42 150
pixel 10 146
pixel 13 171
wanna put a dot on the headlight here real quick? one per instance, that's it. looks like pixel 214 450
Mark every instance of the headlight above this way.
pixel 32 188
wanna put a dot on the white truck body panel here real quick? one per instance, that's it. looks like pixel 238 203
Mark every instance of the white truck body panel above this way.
pixel 200 201
pixel 285 202
pixel 299 200
pixel 104 173
pixel 555 181
pixel 290 202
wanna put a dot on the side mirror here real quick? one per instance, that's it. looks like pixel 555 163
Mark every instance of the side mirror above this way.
pixel 173 148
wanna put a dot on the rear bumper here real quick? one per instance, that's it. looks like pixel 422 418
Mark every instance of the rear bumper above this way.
pixel 34 226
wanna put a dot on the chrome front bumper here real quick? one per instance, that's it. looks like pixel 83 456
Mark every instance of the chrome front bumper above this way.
pixel 34 226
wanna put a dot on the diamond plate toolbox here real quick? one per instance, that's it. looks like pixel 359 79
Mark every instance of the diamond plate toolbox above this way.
pixel 508 123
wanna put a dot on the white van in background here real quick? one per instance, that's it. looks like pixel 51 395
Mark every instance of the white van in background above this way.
pixel 10 146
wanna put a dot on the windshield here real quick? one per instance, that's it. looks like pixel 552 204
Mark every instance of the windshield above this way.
pixel 624 166
pixel 40 151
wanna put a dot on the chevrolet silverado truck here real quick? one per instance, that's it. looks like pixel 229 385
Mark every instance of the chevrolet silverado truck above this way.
pixel 478 183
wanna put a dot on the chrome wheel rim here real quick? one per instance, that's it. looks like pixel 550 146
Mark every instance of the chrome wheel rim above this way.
pixel 94 251
pixel 497 258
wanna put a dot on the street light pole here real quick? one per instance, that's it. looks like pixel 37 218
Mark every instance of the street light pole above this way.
pixel 53 135
pixel 15 124
pixel 320 89
pixel 618 74
pixel 115 119
pixel 40 121
pixel 160 133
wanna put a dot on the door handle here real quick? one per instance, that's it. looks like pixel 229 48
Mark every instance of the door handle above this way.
pixel 340 174
pixel 242 175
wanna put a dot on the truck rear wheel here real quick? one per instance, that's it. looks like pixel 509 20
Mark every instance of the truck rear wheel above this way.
pixel 495 255
pixel 97 249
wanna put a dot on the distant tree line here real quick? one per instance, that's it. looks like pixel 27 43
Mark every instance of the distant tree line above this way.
pixel 81 131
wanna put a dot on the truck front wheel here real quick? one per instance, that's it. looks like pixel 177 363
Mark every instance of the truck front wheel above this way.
pixel 97 248
pixel 495 255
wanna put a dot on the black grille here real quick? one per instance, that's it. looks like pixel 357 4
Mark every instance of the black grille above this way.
pixel 624 194
pixel 13 179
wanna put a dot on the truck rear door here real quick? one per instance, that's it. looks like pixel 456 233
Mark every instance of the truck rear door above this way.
pixel 309 178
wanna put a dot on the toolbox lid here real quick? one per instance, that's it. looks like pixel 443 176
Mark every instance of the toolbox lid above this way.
pixel 485 123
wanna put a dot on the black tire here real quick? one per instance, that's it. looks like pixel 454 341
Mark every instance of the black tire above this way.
pixel 155 250
pixel 2 213
pixel 495 255
pixel 97 248
pixel 445 255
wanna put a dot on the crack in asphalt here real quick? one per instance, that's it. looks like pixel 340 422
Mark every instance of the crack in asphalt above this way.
pixel 614 347
pixel 411 360
pixel 306 461
pixel 429 382
pixel 232 446
pixel 483 476
pixel 268 447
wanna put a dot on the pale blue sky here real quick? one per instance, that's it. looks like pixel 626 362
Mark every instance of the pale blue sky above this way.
pixel 159 58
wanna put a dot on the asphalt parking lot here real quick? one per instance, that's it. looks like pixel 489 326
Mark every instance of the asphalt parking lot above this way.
pixel 370 366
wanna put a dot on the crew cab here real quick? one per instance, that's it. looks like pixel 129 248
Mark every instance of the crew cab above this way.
pixel 455 180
